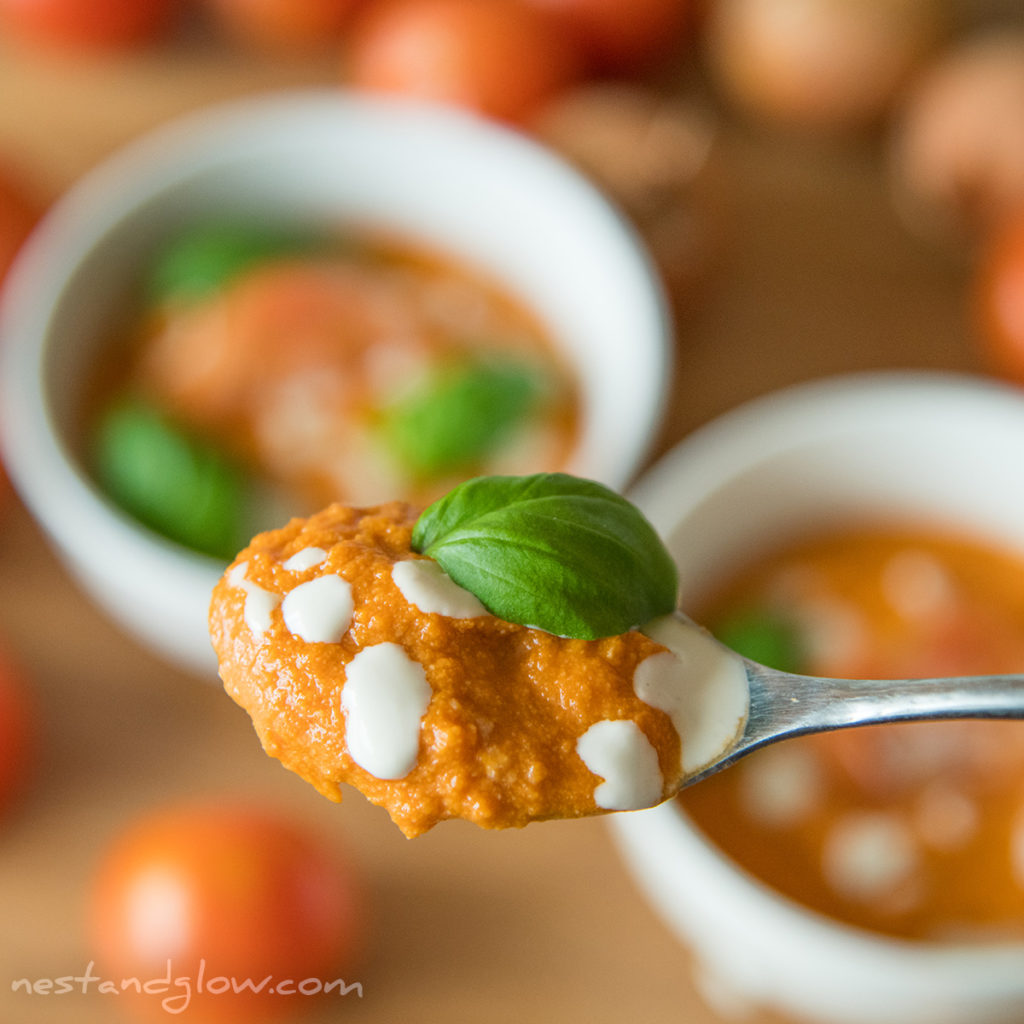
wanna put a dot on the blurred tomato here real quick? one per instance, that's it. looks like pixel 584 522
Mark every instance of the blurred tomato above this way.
pixel 621 36
pixel 999 299
pixel 17 218
pixel 89 24
pixel 499 57
pixel 220 891
pixel 283 25
pixel 819 63
pixel 16 732
pixel 958 146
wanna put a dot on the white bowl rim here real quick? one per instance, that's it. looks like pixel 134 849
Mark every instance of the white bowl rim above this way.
pixel 771 422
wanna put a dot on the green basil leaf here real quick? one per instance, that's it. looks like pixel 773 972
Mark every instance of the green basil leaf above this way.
pixel 553 551
pixel 172 482
pixel 460 414
pixel 203 258
pixel 763 636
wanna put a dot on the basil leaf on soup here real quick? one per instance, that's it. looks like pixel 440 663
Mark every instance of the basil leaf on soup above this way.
pixel 172 482
pixel 550 550
pixel 763 636
pixel 460 414
pixel 201 259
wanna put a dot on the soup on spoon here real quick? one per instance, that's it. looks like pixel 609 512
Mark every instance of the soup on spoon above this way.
pixel 511 654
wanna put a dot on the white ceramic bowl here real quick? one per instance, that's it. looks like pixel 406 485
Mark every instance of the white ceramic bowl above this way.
pixel 936 449
pixel 467 187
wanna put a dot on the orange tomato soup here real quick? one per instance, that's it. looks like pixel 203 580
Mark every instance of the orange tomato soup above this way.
pixel 913 830
pixel 328 370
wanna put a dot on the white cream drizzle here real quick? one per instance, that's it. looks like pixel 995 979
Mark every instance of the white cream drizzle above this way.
pixel 259 603
pixel 699 683
pixel 384 699
pixel 620 753
pixel 305 559
pixel 783 786
pixel 426 585
pixel 869 854
pixel 319 611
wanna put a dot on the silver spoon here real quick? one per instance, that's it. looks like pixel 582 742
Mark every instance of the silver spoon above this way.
pixel 783 705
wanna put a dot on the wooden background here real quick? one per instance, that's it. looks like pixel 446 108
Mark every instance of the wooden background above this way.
pixel 811 273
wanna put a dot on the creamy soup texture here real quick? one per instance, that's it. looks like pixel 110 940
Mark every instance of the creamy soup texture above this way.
pixel 913 830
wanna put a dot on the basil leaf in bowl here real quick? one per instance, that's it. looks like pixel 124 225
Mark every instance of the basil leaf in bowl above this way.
pixel 550 550
pixel 202 259
pixel 764 636
pixel 171 481
pixel 460 414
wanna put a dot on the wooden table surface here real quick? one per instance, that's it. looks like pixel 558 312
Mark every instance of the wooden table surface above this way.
pixel 813 274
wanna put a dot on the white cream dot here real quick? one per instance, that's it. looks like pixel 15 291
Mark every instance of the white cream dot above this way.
pixel 426 585
pixel 384 699
pixel 701 684
pixel 869 855
pixel 236 574
pixel 782 785
pixel 661 680
pixel 946 817
pixel 621 754
pixel 259 603
pixel 305 559
pixel 319 611
pixel 917 585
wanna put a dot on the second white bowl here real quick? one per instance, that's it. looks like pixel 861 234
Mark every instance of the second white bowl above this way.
pixel 918 449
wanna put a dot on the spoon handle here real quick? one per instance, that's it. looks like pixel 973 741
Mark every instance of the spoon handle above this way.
pixel 784 705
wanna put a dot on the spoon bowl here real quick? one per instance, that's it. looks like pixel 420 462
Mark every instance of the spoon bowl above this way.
pixel 782 705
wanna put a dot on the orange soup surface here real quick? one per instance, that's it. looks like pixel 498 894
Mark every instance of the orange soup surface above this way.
pixel 268 372
pixel 914 830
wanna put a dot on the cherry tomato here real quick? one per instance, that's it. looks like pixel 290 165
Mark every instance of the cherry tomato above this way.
pixel 999 299
pixel 17 218
pixel 621 36
pixel 818 63
pixel 957 152
pixel 249 913
pixel 89 24
pixel 16 732
pixel 500 57
pixel 283 25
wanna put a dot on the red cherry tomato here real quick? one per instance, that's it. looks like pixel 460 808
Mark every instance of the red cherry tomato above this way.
pixel 618 35
pixel 16 733
pixel 251 914
pixel 283 25
pixel 17 218
pixel 499 57
pixel 999 300
pixel 820 64
pixel 89 24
